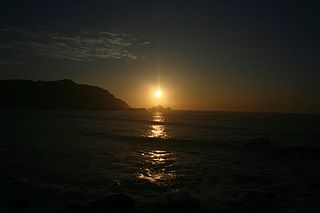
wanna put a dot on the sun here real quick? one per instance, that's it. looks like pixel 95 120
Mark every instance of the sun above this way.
pixel 158 93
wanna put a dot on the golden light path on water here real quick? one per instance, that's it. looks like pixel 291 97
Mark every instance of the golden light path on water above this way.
pixel 157 129
pixel 157 167
pixel 158 164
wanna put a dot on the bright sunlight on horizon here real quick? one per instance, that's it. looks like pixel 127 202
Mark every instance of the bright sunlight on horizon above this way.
pixel 158 93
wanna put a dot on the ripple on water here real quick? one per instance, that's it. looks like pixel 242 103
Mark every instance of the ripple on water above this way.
pixel 157 130
pixel 158 167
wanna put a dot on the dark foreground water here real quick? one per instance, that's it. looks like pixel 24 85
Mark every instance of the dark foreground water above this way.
pixel 161 162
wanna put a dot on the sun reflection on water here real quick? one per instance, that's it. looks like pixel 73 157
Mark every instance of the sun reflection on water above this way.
pixel 158 167
pixel 157 128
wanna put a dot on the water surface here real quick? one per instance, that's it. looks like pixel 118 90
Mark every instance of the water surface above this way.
pixel 148 154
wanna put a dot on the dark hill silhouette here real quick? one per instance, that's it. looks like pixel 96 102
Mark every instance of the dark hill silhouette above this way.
pixel 59 95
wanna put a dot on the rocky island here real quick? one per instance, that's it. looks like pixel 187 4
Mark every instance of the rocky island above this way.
pixel 160 108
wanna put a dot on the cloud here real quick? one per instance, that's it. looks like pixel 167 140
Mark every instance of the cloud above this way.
pixel 84 47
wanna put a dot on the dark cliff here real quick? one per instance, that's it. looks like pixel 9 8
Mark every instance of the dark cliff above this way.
pixel 56 95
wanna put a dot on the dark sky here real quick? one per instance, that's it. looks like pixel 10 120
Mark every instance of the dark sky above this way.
pixel 225 55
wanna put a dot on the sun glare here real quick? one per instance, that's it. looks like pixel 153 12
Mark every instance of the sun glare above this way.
pixel 158 93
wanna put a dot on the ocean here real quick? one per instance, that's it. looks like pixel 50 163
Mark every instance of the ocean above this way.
pixel 220 160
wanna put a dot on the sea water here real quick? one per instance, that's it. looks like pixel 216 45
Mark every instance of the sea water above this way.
pixel 148 154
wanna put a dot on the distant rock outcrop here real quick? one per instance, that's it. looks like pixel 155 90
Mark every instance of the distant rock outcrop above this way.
pixel 160 108
pixel 56 95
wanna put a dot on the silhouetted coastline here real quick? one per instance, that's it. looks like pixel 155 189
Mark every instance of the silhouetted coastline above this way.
pixel 56 95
